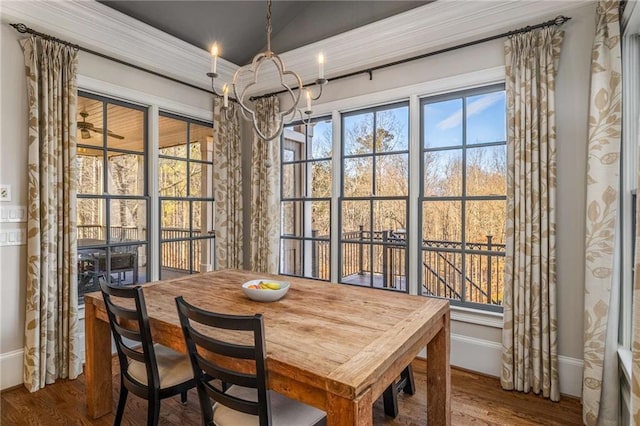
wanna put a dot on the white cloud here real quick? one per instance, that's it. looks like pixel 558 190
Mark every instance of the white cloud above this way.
pixel 473 108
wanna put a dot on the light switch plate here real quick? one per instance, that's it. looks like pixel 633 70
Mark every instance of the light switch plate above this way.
pixel 5 192
pixel 13 213
pixel 13 237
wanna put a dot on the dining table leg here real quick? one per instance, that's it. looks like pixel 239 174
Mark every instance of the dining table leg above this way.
pixel 439 376
pixel 348 412
pixel 97 367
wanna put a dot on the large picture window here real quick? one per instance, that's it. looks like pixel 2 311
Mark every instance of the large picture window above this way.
pixel 306 199
pixel 112 201
pixel 463 202
pixel 374 196
pixel 185 170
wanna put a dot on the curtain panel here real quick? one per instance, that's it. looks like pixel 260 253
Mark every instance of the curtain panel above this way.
pixel 265 187
pixel 51 325
pixel 227 185
pixel 599 387
pixel 635 341
pixel 529 358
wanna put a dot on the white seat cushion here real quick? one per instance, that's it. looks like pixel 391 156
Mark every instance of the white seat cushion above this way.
pixel 173 368
pixel 284 411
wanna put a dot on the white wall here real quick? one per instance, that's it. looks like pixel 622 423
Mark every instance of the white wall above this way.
pixel 473 342
pixel 137 85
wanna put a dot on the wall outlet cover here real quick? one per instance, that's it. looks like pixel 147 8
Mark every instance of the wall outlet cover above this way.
pixel 5 192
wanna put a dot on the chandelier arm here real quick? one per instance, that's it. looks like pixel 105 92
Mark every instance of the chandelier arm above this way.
pixel 270 136
pixel 296 100
pixel 240 97
pixel 213 76
pixel 315 98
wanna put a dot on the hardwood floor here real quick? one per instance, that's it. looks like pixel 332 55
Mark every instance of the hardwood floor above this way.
pixel 476 400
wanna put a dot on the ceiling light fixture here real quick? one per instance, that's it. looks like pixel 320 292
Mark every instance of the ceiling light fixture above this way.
pixel 251 72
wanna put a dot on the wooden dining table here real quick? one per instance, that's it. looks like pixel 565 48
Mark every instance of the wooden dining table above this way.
pixel 336 347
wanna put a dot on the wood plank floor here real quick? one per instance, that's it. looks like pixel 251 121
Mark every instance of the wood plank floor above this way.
pixel 476 400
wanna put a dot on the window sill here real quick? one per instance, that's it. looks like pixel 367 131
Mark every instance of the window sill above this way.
pixel 477 316
pixel 625 358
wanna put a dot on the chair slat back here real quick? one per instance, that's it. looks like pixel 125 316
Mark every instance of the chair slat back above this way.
pixel 219 358
pixel 131 330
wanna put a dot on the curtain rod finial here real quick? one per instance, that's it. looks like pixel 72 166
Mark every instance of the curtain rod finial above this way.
pixel 21 28
pixel 561 19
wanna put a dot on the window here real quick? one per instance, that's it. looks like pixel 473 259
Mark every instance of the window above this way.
pixel 112 202
pixel 463 201
pixel 306 152
pixel 185 171
pixel 374 196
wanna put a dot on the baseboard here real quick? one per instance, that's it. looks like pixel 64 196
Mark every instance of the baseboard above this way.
pixel 11 364
pixel 570 375
pixel 470 353
pixel 484 356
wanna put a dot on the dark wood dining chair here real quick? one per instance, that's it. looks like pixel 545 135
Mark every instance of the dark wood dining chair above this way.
pixel 404 384
pixel 237 357
pixel 150 371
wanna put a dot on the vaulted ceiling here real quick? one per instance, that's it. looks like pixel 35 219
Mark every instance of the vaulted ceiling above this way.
pixel 239 27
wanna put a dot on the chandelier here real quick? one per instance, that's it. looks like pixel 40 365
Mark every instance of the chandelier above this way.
pixel 251 73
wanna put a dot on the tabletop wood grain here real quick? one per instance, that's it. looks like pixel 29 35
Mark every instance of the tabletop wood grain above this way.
pixel 321 338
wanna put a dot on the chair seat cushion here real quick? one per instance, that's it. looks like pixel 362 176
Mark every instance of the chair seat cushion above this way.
pixel 284 411
pixel 174 368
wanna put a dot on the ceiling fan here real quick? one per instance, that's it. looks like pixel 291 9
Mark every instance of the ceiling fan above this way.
pixel 86 128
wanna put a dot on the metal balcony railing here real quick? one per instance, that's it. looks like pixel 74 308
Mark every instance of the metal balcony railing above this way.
pixel 480 280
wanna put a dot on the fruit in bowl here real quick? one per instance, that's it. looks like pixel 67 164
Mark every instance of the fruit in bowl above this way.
pixel 265 290
pixel 266 285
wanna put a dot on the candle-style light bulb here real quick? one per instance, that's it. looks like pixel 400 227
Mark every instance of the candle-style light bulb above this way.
pixel 321 66
pixel 308 100
pixel 225 94
pixel 214 58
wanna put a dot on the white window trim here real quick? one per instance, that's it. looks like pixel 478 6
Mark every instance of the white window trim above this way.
pixel 625 357
pixel 477 316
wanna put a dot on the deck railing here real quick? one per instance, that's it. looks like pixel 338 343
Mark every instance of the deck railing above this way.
pixel 480 280
pixel 174 252
pixel 118 233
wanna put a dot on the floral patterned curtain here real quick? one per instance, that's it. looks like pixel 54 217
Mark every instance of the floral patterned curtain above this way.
pixel 599 387
pixel 530 347
pixel 265 187
pixel 51 328
pixel 227 185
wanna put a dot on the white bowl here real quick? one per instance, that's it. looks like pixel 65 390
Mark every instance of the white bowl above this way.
pixel 265 295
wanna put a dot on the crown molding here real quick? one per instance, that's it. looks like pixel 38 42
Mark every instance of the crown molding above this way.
pixel 97 27
pixel 423 29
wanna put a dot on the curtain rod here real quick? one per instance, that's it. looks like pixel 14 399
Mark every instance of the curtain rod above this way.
pixel 557 21
pixel 21 28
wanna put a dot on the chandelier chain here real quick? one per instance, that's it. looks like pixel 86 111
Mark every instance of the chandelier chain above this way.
pixel 269 26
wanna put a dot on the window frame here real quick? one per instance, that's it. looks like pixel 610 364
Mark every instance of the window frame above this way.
pixel 463 198
pixel 304 160
pixel 106 196
pixel 210 235
pixel 373 197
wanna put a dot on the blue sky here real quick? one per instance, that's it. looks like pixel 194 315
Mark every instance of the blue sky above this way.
pixel 485 120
